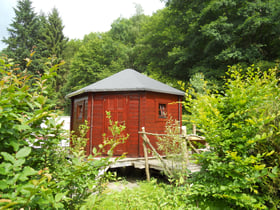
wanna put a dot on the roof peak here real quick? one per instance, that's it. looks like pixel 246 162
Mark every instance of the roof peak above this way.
pixel 128 80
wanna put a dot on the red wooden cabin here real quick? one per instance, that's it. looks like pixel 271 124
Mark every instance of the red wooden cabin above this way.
pixel 131 97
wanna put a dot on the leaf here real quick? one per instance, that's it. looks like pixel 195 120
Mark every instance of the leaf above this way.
pixel 3 185
pixel 94 150
pixel 275 170
pixel 59 197
pixel 8 157
pixel 22 127
pixel 48 176
pixel 24 152
pixel 15 145
pixel 28 61
pixel 19 162
pixel 271 175
pixel 31 54
pixel 270 153
pixel 27 171
pixel 41 99
pixel 231 115
pixel 259 167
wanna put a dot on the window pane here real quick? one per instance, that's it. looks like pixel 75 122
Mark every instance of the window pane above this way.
pixel 162 111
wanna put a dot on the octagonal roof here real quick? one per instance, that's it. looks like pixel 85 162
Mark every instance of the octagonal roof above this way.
pixel 128 80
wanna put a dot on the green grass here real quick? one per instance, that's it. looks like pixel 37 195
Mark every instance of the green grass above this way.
pixel 149 195
pixel 152 196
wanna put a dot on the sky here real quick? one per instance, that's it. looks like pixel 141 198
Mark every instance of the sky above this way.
pixel 80 17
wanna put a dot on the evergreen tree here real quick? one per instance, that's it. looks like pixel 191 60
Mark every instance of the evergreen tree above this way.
pixel 53 38
pixel 54 42
pixel 23 36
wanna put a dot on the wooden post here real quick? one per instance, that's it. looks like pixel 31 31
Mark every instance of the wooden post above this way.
pixel 146 139
pixel 185 153
pixel 146 155
pixel 194 129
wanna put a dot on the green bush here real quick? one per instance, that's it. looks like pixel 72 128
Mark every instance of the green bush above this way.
pixel 35 172
pixel 241 125
pixel 24 108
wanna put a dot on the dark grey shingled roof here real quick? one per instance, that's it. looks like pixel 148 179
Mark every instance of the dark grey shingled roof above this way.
pixel 128 80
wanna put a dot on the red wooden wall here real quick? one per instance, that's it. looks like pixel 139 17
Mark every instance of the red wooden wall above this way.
pixel 136 109
pixel 150 118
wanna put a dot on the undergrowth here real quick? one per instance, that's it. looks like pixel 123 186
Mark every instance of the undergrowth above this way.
pixel 149 195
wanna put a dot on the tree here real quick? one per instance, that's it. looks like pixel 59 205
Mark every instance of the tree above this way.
pixel 23 37
pixel 72 47
pixel 220 33
pixel 53 38
pixel 98 57
pixel 54 43
pixel 128 30
pixel 158 37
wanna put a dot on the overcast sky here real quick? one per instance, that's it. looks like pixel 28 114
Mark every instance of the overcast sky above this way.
pixel 80 17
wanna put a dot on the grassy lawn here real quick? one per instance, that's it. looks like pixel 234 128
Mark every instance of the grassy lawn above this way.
pixel 147 195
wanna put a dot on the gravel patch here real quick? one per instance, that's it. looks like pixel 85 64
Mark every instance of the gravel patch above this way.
pixel 119 186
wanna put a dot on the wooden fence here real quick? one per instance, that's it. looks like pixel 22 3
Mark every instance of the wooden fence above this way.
pixel 184 146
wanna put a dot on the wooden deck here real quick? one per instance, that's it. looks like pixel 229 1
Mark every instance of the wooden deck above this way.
pixel 153 163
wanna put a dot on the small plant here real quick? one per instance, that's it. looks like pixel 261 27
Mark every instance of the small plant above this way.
pixel 80 176
pixel 79 141
pixel 175 148
pixel 118 137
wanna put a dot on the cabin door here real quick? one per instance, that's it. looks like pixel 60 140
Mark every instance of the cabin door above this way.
pixel 117 106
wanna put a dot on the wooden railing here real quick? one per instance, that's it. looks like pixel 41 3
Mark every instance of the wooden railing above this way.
pixel 184 147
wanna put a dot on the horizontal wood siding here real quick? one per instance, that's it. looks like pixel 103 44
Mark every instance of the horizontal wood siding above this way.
pixel 150 109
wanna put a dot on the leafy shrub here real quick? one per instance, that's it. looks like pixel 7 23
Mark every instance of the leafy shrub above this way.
pixel 241 125
pixel 35 171
pixel 24 107
pixel 174 147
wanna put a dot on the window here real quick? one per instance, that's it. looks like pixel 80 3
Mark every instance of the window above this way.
pixel 162 111
pixel 80 112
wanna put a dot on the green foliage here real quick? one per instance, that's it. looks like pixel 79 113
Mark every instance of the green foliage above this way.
pixel 149 195
pixel 24 33
pixel 128 30
pixel 174 147
pixel 223 32
pixel 154 43
pixel 241 125
pixel 54 43
pixel 118 136
pixel 24 109
pixel 53 38
pixel 80 176
pixel 35 171
pixel 98 57
pixel 22 186
pixel 30 33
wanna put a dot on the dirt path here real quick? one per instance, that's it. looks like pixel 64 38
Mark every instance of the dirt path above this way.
pixel 121 185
